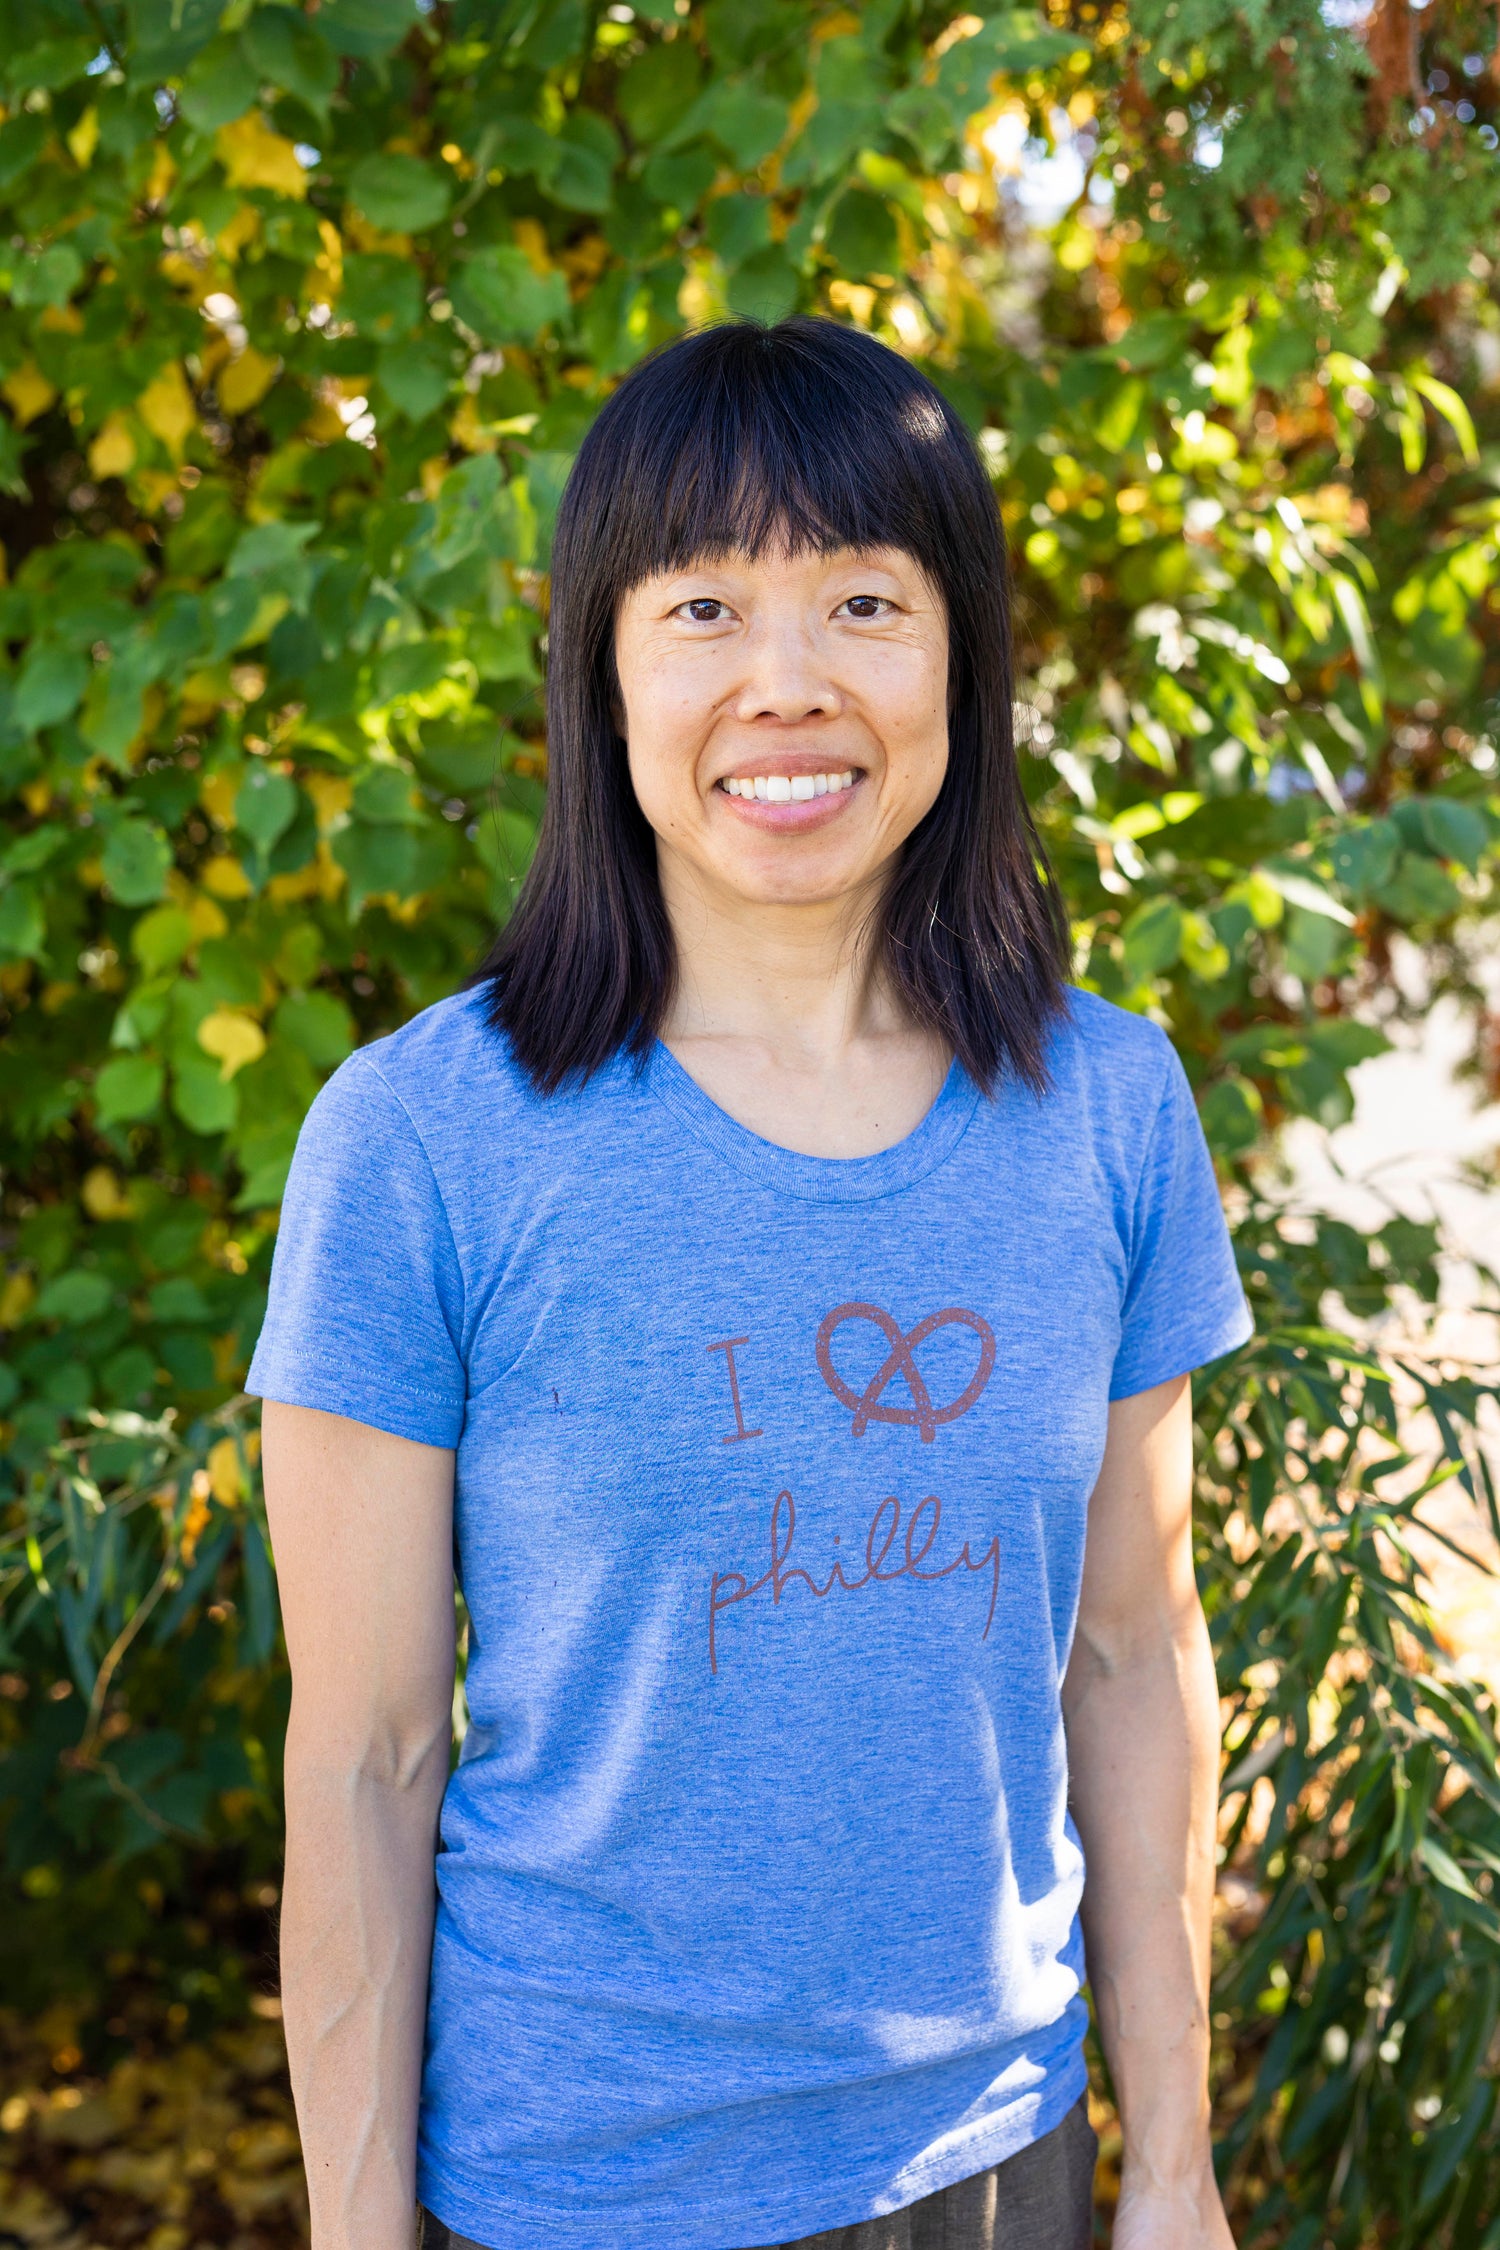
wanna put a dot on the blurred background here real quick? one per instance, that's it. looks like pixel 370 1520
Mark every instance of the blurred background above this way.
pixel 304 310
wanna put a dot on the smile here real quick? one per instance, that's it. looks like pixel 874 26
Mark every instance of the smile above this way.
pixel 788 789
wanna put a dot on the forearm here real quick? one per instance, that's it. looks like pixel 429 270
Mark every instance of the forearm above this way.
pixel 1143 1742
pixel 356 1944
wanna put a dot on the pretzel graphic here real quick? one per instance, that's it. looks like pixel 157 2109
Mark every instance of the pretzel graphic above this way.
pixel 901 1357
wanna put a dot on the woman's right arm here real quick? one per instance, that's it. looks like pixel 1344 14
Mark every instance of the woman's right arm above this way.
pixel 362 1524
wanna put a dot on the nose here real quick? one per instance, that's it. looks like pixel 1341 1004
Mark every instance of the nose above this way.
pixel 786 676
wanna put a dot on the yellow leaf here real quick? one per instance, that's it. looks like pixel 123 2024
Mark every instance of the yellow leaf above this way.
pixel 202 692
pixel 225 878
pixel 304 882
pixel 166 407
pixel 207 919
pixel 61 320
pixel 153 488
pixel 255 157
pixel 84 138
pixel 226 1477
pixel 28 391
pixel 163 173
pixel 246 380
pixel 329 263
pixel 433 471
pixel 112 453
pixel 467 430
pixel 217 791
pixel 232 1039
pixel 325 425
pixel 16 1294
pixel 240 232
pixel 331 794
pixel 102 1194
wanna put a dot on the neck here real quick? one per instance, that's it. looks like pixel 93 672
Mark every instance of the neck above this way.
pixel 804 978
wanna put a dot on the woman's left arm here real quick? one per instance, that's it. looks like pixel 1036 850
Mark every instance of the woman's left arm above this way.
pixel 1142 1713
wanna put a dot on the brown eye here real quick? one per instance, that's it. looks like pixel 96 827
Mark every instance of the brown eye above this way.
pixel 706 612
pixel 865 605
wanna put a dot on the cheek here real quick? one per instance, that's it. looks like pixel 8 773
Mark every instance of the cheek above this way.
pixel 664 738
pixel 915 724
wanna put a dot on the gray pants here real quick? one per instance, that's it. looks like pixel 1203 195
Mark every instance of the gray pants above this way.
pixel 1040 2199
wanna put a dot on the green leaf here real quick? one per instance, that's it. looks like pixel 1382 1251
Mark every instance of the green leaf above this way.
pixel 23 923
pixel 50 686
pixel 369 29
pixel 48 278
pixel 220 85
pixel 380 857
pixel 381 295
pixel 135 860
pixel 500 295
pixel 738 225
pixel 1444 828
pixel 861 237
pixel 266 805
pixel 1365 856
pixel 161 938
pixel 657 88
pixel 317 1023
pixel 384 793
pixel 414 377
pixel 128 1088
pixel 1231 1116
pixel 399 193
pixel 745 122
pixel 282 45
pixel 764 286
pixel 204 1101
pixel 47 65
pixel 1153 937
pixel 74 1298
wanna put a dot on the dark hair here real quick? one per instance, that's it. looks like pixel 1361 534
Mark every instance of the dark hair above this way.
pixel 743 437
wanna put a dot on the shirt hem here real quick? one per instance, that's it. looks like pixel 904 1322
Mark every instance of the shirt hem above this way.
pixel 1183 1358
pixel 421 1416
pixel 838 2201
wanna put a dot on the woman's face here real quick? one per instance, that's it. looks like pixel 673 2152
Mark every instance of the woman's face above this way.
pixel 786 718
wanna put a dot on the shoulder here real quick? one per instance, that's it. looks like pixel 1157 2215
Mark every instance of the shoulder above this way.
pixel 449 1068
pixel 427 1097
pixel 1111 1056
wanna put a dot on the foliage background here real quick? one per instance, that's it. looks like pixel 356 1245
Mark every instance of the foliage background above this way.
pixel 303 312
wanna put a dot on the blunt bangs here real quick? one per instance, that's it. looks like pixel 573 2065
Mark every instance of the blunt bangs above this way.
pixel 804 436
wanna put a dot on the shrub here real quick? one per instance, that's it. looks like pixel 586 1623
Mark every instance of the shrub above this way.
pixel 305 312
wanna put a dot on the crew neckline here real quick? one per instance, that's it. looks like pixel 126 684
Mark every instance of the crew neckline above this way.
pixel 818 1179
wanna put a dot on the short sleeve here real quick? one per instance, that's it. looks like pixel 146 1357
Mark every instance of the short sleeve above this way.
pixel 1183 1302
pixel 366 1304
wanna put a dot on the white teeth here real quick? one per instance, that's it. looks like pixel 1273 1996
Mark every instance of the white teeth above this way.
pixel 783 789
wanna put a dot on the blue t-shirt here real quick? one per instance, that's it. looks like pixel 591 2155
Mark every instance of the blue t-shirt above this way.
pixel 758 1896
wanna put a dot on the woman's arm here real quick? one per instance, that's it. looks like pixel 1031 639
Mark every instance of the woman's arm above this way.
pixel 1142 1713
pixel 362 1527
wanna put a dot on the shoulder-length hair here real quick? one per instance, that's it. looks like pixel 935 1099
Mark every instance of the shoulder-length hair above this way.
pixel 803 436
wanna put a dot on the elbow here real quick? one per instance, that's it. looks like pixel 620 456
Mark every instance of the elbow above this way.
pixel 393 1754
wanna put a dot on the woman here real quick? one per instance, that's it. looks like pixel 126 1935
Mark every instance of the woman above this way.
pixel 766 1271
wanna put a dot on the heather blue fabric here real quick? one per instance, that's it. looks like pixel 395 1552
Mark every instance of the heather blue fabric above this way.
pixel 758 1896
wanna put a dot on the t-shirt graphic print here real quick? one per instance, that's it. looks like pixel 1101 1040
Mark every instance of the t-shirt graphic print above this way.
pixel 758 1893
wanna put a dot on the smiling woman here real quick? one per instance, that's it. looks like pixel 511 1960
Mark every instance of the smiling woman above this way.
pixel 782 1291
pixel 783 539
